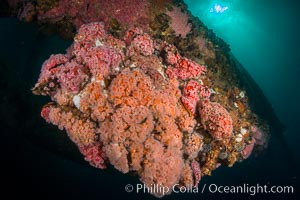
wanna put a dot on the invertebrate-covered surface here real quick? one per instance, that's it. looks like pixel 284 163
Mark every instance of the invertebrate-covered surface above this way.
pixel 137 104
pixel 152 92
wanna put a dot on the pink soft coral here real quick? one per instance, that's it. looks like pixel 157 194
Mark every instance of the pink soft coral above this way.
pixel 247 151
pixel 126 12
pixel 94 155
pixel 190 96
pixel 216 120
pixel 72 76
pixel 181 67
pixel 143 44
pixel 179 22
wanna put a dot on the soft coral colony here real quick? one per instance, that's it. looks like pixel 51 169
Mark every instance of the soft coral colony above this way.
pixel 136 103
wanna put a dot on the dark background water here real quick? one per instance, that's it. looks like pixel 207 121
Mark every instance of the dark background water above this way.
pixel 267 45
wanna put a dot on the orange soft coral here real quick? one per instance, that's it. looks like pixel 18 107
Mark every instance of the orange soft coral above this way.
pixel 81 131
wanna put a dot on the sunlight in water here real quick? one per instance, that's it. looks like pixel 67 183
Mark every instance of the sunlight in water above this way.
pixel 218 8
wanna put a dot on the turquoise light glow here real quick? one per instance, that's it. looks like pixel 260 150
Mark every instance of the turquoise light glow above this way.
pixel 264 36
pixel 218 8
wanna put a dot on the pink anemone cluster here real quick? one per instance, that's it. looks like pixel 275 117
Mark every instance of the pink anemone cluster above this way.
pixel 216 119
pixel 180 67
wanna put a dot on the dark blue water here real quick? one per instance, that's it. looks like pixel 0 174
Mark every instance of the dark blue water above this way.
pixel 264 37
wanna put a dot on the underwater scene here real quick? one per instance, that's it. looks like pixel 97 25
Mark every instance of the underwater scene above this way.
pixel 150 99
